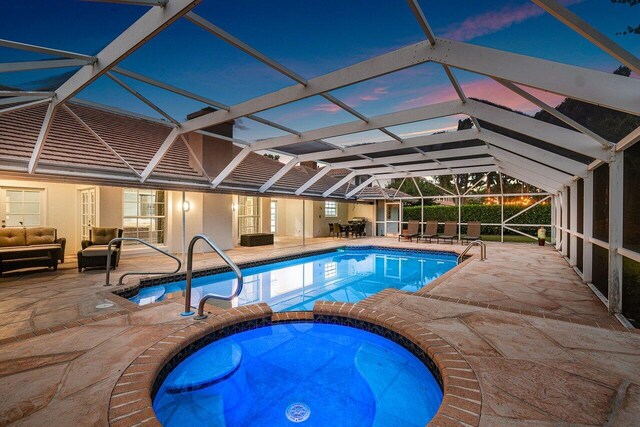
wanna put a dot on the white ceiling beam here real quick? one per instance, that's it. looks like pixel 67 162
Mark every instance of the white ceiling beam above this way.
pixel 42 137
pixel 529 164
pixel 46 50
pixel 229 168
pixel 143 99
pixel 581 27
pixel 26 105
pixel 24 93
pixel 343 181
pixel 443 109
pixel 596 87
pixel 11 67
pixel 418 141
pixel 140 32
pixel 629 140
pixel 532 174
pixel 276 177
pixel 315 178
pixel 359 187
pixel 219 32
pixel 20 99
pixel 525 177
pixel 426 155
pixel 543 156
pixel 99 138
pixel 555 113
pixel 483 161
pixel 439 172
pixel 552 134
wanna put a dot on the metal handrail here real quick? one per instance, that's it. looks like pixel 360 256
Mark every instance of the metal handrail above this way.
pixel 144 273
pixel 203 300
pixel 483 250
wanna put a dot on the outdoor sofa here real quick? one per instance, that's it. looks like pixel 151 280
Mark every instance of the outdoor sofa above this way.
pixel 94 251
pixel 25 247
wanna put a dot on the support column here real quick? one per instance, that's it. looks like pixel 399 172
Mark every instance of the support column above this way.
pixel 304 225
pixel 552 232
pixel 459 217
pixel 564 246
pixel 573 215
pixel 587 246
pixel 616 176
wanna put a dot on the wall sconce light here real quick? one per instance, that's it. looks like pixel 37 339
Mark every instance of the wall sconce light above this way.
pixel 186 206
pixel 234 207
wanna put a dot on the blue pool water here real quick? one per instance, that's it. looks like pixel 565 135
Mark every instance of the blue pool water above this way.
pixel 301 373
pixel 346 275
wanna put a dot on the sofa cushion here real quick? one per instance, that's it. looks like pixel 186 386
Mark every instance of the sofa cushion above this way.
pixel 103 235
pixel 96 250
pixel 40 235
pixel 12 236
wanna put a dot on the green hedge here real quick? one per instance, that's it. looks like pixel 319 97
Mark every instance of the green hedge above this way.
pixel 540 214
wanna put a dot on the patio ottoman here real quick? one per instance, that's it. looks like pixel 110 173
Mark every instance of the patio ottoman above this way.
pixel 256 239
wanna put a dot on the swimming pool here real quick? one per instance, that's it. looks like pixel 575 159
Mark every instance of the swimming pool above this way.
pixel 345 275
pixel 309 373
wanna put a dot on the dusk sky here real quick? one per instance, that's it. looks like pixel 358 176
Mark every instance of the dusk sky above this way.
pixel 311 38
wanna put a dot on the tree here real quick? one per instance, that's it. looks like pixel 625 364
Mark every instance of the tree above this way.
pixel 630 29
pixel 272 156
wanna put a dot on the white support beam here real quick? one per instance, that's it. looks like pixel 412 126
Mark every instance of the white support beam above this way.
pixel 532 172
pixel 483 161
pixel 552 134
pixel 434 111
pixel 143 99
pixel 339 184
pixel 421 174
pixel 555 113
pixel 46 50
pixel 531 165
pixel 230 167
pixel 276 177
pixel 587 231
pixel 157 158
pixel 20 99
pixel 12 67
pixel 543 156
pixel 507 170
pixel 596 87
pixel 530 177
pixel 315 178
pixel 42 137
pixel 616 218
pixel 419 141
pixel 133 2
pixel 219 32
pixel 581 27
pixel 360 187
pixel 427 155
pixel 344 106
pixel 629 140
pixel 26 105
pixel 140 32
pixel 24 93
pixel 573 224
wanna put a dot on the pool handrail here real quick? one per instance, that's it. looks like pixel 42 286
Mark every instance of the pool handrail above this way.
pixel 203 300
pixel 144 273
pixel 483 250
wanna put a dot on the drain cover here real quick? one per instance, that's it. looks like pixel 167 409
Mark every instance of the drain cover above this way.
pixel 298 412
pixel 104 305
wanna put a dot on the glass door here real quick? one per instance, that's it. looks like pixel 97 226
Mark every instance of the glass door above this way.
pixel 393 219
pixel 87 211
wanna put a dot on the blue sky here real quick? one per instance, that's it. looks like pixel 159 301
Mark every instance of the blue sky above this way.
pixel 311 38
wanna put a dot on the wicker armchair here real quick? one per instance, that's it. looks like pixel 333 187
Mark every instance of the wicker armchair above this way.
pixel 94 251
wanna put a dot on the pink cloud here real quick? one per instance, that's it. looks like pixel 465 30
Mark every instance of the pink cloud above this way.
pixel 483 89
pixel 327 108
pixel 495 21
pixel 354 100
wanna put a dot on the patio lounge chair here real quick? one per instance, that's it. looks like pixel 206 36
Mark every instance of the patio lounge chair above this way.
pixel 430 231
pixel 449 231
pixel 411 231
pixel 473 232
pixel 94 251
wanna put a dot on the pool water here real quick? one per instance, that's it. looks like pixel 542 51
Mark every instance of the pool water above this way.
pixel 345 275
pixel 301 373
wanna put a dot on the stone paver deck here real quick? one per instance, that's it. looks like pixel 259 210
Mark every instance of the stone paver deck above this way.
pixel 541 344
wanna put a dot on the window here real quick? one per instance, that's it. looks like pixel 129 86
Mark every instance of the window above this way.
pixel 144 215
pixel 274 216
pixel 248 215
pixel 22 208
pixel 330 270
pixel 330 209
